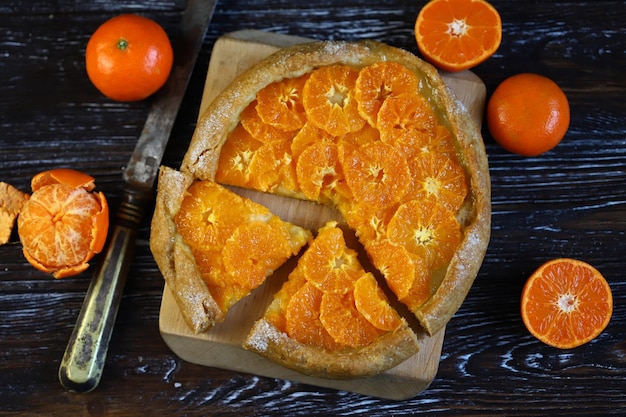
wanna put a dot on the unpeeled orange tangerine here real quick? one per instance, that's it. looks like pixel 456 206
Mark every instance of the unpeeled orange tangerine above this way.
pixel 129 57
pixel 528 114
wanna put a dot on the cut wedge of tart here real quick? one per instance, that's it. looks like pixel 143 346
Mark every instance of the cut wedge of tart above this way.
pixel 214 247
pixel 373 131
pixel 330 319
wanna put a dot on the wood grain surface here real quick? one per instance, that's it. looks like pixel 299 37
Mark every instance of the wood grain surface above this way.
pixel 568 202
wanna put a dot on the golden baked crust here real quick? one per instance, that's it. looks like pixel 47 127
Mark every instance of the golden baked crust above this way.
pixel 222 115
pixel 174 258
pixel 387 351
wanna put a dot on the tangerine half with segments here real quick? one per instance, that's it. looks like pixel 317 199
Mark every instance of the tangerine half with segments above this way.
pixel 455 35
pixel 566 303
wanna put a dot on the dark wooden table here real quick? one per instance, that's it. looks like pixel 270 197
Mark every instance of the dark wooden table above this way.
pixel 569 202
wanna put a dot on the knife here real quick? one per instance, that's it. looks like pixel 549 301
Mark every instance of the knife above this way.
pixel 83 362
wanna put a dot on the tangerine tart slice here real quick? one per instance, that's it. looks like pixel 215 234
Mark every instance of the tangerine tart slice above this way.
pixel 373 131
pixel 330 319
pixel 214 247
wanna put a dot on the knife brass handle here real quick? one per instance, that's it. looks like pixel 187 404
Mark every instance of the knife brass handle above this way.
pixel 85 355
pixel 84 358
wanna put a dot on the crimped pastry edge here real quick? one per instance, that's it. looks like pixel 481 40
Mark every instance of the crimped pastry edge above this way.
pixel 386 352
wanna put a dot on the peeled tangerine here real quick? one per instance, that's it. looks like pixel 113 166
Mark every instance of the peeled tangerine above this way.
pixel 63 224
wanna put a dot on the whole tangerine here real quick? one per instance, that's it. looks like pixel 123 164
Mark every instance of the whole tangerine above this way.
pixel 129 57
pixel 528 114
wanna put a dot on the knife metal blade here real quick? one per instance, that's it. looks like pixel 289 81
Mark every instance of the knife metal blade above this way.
pixel 83 362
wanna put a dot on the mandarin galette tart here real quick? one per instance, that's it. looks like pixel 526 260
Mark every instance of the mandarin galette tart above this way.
pixel 369 130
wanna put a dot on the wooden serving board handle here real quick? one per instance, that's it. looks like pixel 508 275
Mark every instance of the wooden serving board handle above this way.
pixel 221 346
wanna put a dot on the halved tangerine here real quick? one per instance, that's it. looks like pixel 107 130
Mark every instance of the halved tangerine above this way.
pixel 280 104
pixel 377 173
pixel 436 175
pixel 406 119
pixel 329 264
pixel 566 303
pixel 342 320
pixel 258 129
pixel 371 302
pixel 319 172
pixel 329 102
pixel 456 35
pixel 379 81
pixel 426 228
pixel 303 319
pixel 235 158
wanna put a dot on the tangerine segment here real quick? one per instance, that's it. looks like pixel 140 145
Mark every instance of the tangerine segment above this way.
pixel 254 251
pixel 209 215
pixel 426 228
pixel 303 319
pixel 361 137
pixel 59 227
pixel 276 311
pixel 280 104
pixel 342 320
pixel 443 143
pixel 371 302
pixel 329 102
pixel 258 129
pixel 308 135
pixel 378 81
pixel 236 157
pixel 369 223
pixel 407 120
pixel 377 173
pixel 438 176
pixel 456 35
pixel 566 303
pixel 226 296
pixel 271 166
pixel 329 264
pixel 396 264
pixel 319 172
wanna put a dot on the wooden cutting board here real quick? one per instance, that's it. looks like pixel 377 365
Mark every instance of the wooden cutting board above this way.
pixel 221 346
